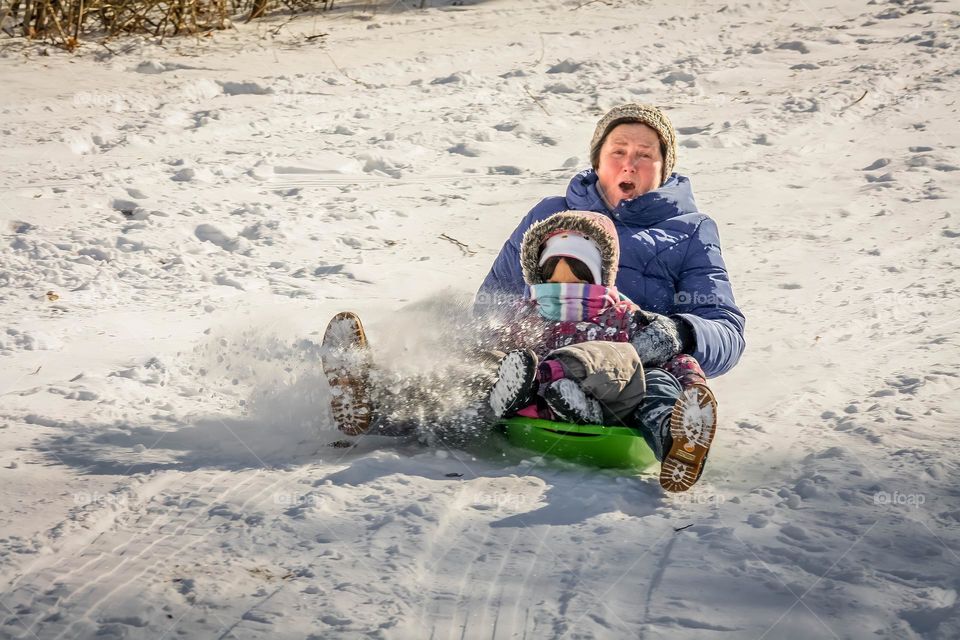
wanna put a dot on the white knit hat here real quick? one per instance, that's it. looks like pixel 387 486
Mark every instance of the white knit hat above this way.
pixel 569 244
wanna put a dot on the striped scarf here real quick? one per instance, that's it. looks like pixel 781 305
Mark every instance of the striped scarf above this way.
pixel 571 302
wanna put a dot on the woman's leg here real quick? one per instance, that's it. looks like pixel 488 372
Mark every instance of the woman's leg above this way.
pixel 679 424
pixel 451 398
pixel 653 413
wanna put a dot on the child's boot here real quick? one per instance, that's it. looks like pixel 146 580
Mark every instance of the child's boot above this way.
pixel 570 404
pixel 516 384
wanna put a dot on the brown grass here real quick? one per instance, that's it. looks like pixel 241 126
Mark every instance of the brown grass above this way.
pixel 65 22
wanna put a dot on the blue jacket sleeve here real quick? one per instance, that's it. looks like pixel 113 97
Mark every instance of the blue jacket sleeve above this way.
pixel 505 282
pixel 705 300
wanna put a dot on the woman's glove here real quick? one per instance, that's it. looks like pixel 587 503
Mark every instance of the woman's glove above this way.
pixel 660 338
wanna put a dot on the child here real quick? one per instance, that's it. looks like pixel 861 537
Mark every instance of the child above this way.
pixel 573 360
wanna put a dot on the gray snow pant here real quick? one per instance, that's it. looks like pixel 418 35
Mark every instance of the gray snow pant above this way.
pixel 611 372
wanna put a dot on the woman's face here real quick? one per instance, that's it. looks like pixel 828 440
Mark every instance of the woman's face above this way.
pixel 630 163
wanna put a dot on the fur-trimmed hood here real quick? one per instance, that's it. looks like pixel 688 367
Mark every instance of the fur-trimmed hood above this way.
pixel 595 226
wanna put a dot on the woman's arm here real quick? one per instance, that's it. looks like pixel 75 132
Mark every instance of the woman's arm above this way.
pixel 704 300
pixel 704 320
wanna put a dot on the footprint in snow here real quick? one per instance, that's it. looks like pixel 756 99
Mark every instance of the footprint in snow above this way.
pixel 559 87
pixel 335 621
pixel 505 170
pixel 464 149
pixel 794 104
pixel 879 163
pixel 244 88
pixel 757 521
pixel 567 66
pixel 794 45
pixel 124 206
pixel 379 165
pixel 214 235
pixel 184 175
pixel 675 77
pixel 453 78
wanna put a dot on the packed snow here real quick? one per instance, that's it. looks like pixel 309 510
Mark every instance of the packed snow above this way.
pixel 181 219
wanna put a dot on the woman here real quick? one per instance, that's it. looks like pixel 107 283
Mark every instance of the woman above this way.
pixel 670 263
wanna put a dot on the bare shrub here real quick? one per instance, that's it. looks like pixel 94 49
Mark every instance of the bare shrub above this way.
pixel 64 22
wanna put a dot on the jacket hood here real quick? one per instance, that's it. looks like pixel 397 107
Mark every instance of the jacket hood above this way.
pixel 596 226
pixel 672 199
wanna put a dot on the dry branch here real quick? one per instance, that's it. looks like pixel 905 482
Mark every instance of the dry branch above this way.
pixel 463 247
pixel 65 22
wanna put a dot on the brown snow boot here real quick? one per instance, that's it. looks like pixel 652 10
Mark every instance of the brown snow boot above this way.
pixel 693 425
pixel 346 365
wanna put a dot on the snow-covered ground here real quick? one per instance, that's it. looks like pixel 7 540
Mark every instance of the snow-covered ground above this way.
pixel 180 221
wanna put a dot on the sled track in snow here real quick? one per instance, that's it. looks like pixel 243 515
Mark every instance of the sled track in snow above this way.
pixel 109 557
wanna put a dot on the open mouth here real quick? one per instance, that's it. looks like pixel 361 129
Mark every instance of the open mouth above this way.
pixel 627 187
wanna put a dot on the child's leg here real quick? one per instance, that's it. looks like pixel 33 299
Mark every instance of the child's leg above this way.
pixel 518 382
pixel 569 403
pixel 608 371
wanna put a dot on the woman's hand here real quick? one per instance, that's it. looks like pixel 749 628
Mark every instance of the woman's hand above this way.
pixel 660 338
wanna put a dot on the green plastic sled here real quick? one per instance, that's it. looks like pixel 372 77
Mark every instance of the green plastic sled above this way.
pixel 594 445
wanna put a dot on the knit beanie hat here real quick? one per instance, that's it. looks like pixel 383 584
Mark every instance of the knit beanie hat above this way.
pixel 596 227
pixel 644 114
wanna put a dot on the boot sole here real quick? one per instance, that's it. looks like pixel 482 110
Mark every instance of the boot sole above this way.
pixel 349 402
pixel 682 466
pixel 564 410
pixel 521 368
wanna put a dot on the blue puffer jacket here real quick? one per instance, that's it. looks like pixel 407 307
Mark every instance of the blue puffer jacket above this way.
pixel 670 263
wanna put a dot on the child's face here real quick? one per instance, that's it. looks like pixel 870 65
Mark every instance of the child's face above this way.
pixel 563 273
